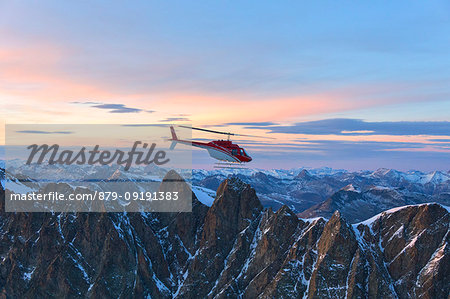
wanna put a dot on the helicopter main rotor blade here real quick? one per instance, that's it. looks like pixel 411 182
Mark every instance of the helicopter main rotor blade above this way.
pixel 206 130
pixel 256 136
pixel 225 133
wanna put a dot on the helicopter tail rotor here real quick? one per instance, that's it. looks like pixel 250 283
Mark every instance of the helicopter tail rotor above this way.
pixel 174 138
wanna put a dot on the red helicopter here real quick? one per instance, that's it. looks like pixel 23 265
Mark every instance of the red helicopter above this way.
pixel 222 150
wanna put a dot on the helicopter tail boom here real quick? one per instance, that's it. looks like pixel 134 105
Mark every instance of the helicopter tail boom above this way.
pixel 174 135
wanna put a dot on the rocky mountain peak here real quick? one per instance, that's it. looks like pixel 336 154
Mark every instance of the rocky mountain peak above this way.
pixel 336 215
pixel 232 184
pixel 350 188
pixel 283 220
pixel 304 174
pixel 286 211
pixel 234 194
pixel 173 182
pixel 382 171
pixel 117 174
pixel 337 227
pixel 336 249
pixel 261 176
pixel 235 206
pixel 437 177
pixel 172 175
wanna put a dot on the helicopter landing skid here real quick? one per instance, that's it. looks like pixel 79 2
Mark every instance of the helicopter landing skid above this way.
pixel 225 165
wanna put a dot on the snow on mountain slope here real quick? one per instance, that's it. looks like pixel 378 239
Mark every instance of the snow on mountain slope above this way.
pixel 204 195
pixel 369 222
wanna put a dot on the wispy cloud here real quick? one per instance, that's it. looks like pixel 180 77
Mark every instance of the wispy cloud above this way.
pixel 256 124
pixel 85 103
pixel 117 108
pixel 360 132
pixel 353 155
pixel 344 126
pixel 113 108
pixel 169 119
pixel 145 125
pixel 43 132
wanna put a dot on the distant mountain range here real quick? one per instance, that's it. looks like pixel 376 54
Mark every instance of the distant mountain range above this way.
pixel 320 192
pixel 307 192
pixel 234 248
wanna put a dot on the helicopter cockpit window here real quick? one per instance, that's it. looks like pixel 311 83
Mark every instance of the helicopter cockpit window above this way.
pixel 244 152
pixel 234 152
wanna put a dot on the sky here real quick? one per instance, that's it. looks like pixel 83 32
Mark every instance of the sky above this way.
pixel 347 85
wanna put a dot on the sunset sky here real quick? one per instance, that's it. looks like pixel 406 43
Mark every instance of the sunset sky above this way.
pixel 348 85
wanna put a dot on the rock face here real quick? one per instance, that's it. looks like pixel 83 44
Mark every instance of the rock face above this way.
pixel 235 248
pixel 413 243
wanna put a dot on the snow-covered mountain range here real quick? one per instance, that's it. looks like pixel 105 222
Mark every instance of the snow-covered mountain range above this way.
pixel 309 192
pixel 319 192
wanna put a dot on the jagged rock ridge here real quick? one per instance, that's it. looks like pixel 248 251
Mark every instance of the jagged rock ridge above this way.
pixel 235 248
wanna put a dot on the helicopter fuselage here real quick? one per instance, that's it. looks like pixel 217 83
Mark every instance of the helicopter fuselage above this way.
pixel 223 150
